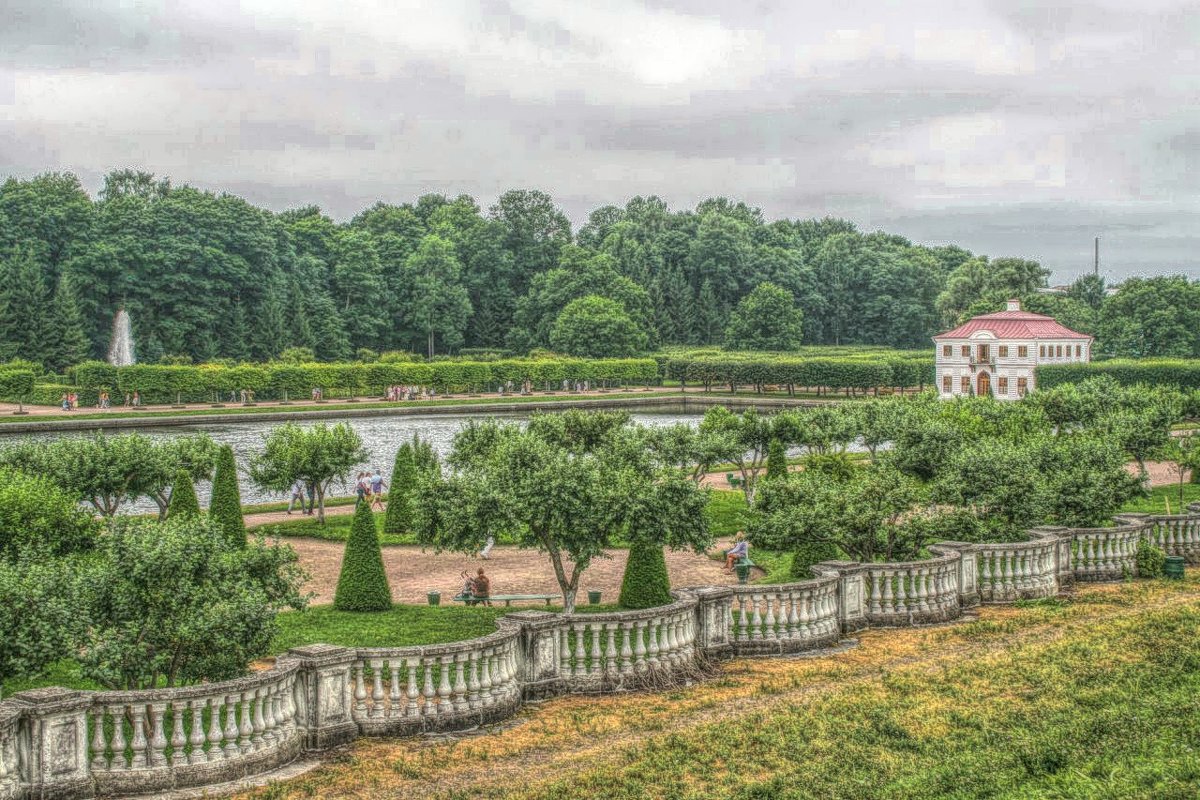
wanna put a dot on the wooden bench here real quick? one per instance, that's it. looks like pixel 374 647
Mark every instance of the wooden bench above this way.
pixel 507 599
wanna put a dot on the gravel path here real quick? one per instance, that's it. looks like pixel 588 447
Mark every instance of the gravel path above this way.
pixel 413 572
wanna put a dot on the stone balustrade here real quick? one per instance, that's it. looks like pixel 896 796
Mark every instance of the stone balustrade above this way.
pixel 173 738
pixel 913 592
pixel 57 743
pixel 785 618
pixel 400 691
pixel 1018 570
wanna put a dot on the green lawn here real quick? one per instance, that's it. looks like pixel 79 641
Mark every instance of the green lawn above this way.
pixel 400 627
pixel 1159 497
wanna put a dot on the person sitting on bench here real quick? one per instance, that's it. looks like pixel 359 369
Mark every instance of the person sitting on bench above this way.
pixel 481 588
pixel 740 550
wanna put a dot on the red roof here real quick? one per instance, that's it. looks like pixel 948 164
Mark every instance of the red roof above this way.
pixel 1014 325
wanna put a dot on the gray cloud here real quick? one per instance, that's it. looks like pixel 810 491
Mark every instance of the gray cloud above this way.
pixel 1011 128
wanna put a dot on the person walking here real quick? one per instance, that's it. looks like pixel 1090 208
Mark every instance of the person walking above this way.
pixel 377 488
pixel 486 552
pixel 311 491
pixel 297 497
pixel 360 489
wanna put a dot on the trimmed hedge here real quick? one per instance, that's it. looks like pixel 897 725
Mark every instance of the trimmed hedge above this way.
pixel 163 383
pixel 183 497
pixel 646 583
pixel 850 373
pixel 16 385
pixel 225 507
pixel 362 584
pixel 1184 373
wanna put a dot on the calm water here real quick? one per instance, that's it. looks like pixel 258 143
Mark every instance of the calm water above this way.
pixel 381 436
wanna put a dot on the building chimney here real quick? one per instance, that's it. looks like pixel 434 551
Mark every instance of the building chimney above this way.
pixel 1014 305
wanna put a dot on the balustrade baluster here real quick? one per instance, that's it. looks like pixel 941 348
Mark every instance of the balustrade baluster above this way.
pixel 596 659
pixel 196 737
pixel 141 756
pixel 626 651
pixel 755 618
pixel 178 740
pixel 743 631
pixel 610 650
pixel 394 692
pixel 215 731
pixel 119 760
pixel 794 599
pixel 376 666
pixel 639 649
pixel 99 762
pixel 411 708
pixel 444 687
pixel 360 691
pixel 580 666
pixel 472 668
pixel 158 738
pixel 430 708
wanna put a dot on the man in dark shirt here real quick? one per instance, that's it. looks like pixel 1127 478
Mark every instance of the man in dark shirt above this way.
pixel 481 588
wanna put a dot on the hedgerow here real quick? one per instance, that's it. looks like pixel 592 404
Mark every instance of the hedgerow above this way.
pixel 1183 373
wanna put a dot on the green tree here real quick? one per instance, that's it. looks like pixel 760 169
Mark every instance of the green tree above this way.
pixel 183 497
pixel 596 327
pixel 225 505
pixel 23 308
pixel 40 619
pixel 777 464
pixel 317 456
pixel 362 583
pixel 709 319
pixel 439 304
pixel 1146 317
pixel 765 319
pixel 66 343
pixel 180 604
pixel 645 582
pixel 38 520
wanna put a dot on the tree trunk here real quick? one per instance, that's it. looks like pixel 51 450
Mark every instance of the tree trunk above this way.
pixel 431 343
pixel 320 504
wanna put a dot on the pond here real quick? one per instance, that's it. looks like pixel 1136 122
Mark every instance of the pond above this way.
pixel 381 436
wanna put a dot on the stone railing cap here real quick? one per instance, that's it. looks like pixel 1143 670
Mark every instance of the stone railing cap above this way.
pixel 51 699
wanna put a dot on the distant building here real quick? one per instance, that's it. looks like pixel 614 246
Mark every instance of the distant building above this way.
pixel 997 353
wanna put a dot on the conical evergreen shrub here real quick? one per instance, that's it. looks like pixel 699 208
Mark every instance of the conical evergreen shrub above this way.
pixel 183 497
pixel 225 508
pixel 400 487
pixel 777 465
pixel 646 583
pixel 362 584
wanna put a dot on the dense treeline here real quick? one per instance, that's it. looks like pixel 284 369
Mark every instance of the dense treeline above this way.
pixel 209 276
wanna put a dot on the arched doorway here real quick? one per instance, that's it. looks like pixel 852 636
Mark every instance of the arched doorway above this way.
pixel 983 385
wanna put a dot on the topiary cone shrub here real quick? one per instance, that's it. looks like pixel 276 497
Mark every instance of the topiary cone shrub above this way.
pixel 646 583
pixel 183 497
pixel 225 508
pixel 400 508
pixel 777 465
pixel 362 584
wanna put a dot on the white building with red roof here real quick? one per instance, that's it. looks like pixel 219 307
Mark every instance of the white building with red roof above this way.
pixel 996 354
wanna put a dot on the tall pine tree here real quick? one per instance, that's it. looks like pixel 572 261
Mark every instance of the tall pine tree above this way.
pixel 66 344
pixel 23 299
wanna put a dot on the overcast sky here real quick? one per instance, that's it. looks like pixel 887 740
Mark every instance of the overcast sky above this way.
pixel 1017 127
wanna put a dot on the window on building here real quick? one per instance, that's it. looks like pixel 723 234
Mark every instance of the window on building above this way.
pixel 1002 386
pixel 1079 351
pixel 1004 351
pixel 984 352
pixel 1022 351
pixel 1022 386
pixel 946 384
pixel 966 350
pixel 1041 351
pixel 965 385
pixel 946 350
pixel 1058 351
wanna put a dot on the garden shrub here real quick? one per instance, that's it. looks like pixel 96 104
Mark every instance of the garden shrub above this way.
pixel 1151 560
pixel 183 497
pixel 362 584
pixel 39 519
pixel 401 484
pixel 809 553
pixel 646 583
pixel 225 507
pixel 777 465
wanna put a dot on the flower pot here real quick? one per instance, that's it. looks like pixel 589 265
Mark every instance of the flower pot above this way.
pixel 435 598
pixel 594 598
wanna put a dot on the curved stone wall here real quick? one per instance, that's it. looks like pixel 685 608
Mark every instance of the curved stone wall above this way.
pixel 57 743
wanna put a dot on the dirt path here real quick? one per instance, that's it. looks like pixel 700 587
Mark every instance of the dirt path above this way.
pixel 413 572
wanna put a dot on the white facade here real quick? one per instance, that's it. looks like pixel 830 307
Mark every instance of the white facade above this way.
pixel 998 354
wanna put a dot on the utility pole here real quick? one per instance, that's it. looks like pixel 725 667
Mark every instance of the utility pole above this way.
pixel 1097 255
